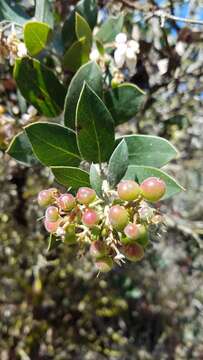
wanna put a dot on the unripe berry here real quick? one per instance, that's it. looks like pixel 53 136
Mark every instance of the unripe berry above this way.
pixel 104 264
pixel 90 218
pixel 146 213
pixel 128 190
pixel 52 214
pixel 133 252
pixel 131 231
pixel 98 249
pixel 45 197
pixel 51 227
pixel 143 238
pixel 118 217
pixel 67 202
pixel 153 189
pixel 85 195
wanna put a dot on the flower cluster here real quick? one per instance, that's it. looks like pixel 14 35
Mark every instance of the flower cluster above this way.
pixel 115 226
pixel 126 52
pixel 11 47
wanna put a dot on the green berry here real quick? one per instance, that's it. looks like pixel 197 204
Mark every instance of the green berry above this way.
pixel 143 238
pixel 98 249
pixel 104 264
pixel 90 217
pixel 85 195
pixel 46 197
pixel 67 202
pixel 153 189
pixel 128 190
pixel 118 217
pixel 52 214
pixel 133 252
pixel 51 227
pixel 131 231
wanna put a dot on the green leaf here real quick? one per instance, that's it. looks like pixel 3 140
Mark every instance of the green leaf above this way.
pixel 43 12
pixel 140 173
pixel 11 11
pixel 36 36
pixel 94 127
pixel 90 73
pixel 71 176
pixel 82 29
pixel 76 55
pixel 39 86
pixel 149 150
pixel 96 179
pixel 88 10
pixel 20 149
pixel 110 28
pixel 118 163
pixel 53 144
pixel 124 102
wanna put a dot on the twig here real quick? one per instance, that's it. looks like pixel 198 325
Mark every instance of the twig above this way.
pixel 160 13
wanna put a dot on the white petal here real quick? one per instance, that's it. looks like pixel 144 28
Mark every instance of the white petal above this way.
pixel 180 48
pixel 130 54
pixel 121 38
pixel 162 66
pixel 22 51
pixel 131 65
pixel 119 58
pixel 94 55
pixel 134 45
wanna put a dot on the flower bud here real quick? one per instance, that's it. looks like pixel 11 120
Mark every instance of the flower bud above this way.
pixel 52 214
pixel 131 231
pixel 51 227
pixel 45 197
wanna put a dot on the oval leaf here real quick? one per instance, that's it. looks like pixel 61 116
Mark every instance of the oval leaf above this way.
pixel 71 176
pixel 141 173
pixel 13 12
pixel 110 28
pixel 76 55
pixel 94 127
pixel 36 36
pixel 53 144
pixel 20 149
pixel 96 179
pixel 82 29
pixel 123 102
pixel 39 86
pixel 118 163
pixel 90 73
pixel 149 150
pixel 43 12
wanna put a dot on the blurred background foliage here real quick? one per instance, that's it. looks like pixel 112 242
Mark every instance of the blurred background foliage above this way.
pixel 52 304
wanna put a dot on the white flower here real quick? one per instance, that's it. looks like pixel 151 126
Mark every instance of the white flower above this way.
pixel 134 45
pixel 163 66
pixel 21 50
pixel 32 111
pixel 119 57
pixel 121 38
pixel 180 48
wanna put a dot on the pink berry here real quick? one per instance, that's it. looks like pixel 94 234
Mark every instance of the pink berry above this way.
pixel 118 217
pixel 104 264
pixel 90 217
pixel 128 190
pixel 52 214
pixel 85 195
pixel 67 202
pixel 45 198
pixel 98 249
pixel 131 231
pixel 153 189
pixel 51 227
pixel 133 252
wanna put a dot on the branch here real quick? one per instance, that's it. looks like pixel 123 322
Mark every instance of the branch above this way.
pixel 151 11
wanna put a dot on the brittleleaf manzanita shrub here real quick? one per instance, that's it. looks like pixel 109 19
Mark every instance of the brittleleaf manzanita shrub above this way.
pixel 111 182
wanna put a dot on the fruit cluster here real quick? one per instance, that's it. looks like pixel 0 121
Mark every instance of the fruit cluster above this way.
pixel 115 226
